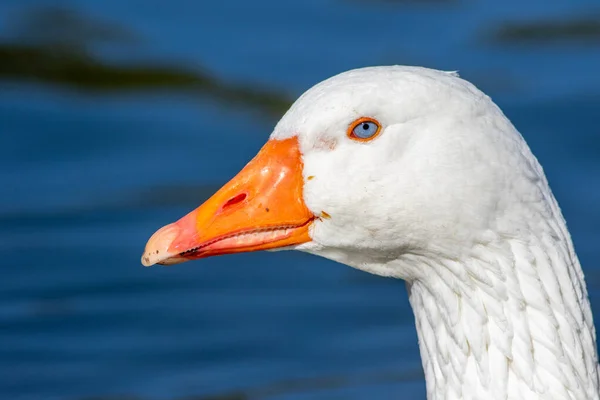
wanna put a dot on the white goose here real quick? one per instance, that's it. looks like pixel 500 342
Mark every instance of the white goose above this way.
pixel 415 174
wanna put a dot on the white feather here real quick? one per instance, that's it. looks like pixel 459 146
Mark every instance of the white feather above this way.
pixel 450 198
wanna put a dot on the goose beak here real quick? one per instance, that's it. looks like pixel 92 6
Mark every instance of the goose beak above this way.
pixel 261 208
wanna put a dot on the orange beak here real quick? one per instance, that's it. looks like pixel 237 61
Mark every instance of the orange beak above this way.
pixel 261 208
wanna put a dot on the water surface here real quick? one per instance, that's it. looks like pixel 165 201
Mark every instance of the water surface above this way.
pixel 88 172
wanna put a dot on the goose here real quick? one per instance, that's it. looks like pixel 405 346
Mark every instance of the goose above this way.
pixel 414 173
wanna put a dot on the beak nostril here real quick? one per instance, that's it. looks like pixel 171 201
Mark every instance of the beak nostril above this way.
pixel 235 200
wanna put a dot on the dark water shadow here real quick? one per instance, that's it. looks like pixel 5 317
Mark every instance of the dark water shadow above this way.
pixel 585 29
pixel 56 46
pixel 405 2
pixel 297 386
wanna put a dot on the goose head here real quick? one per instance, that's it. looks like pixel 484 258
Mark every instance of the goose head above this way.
pixel 416 174
pixel 364 168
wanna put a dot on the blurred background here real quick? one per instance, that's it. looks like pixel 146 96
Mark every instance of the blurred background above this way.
pixel 119 117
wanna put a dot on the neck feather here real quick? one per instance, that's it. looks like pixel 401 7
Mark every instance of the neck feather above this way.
pixel 512 321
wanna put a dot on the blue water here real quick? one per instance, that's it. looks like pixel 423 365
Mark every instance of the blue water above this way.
pixel 86 178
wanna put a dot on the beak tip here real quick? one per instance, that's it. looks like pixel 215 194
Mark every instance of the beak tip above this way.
pixel 157 248
pixel 146 260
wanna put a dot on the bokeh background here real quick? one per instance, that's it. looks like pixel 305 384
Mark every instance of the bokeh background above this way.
pixel 117 117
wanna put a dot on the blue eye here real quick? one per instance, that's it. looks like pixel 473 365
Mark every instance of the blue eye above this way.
pixel 364 129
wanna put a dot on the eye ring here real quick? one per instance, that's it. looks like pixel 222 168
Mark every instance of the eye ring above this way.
pixel 364 129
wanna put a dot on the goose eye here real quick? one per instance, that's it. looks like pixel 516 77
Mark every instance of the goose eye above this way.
pixel 364 129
